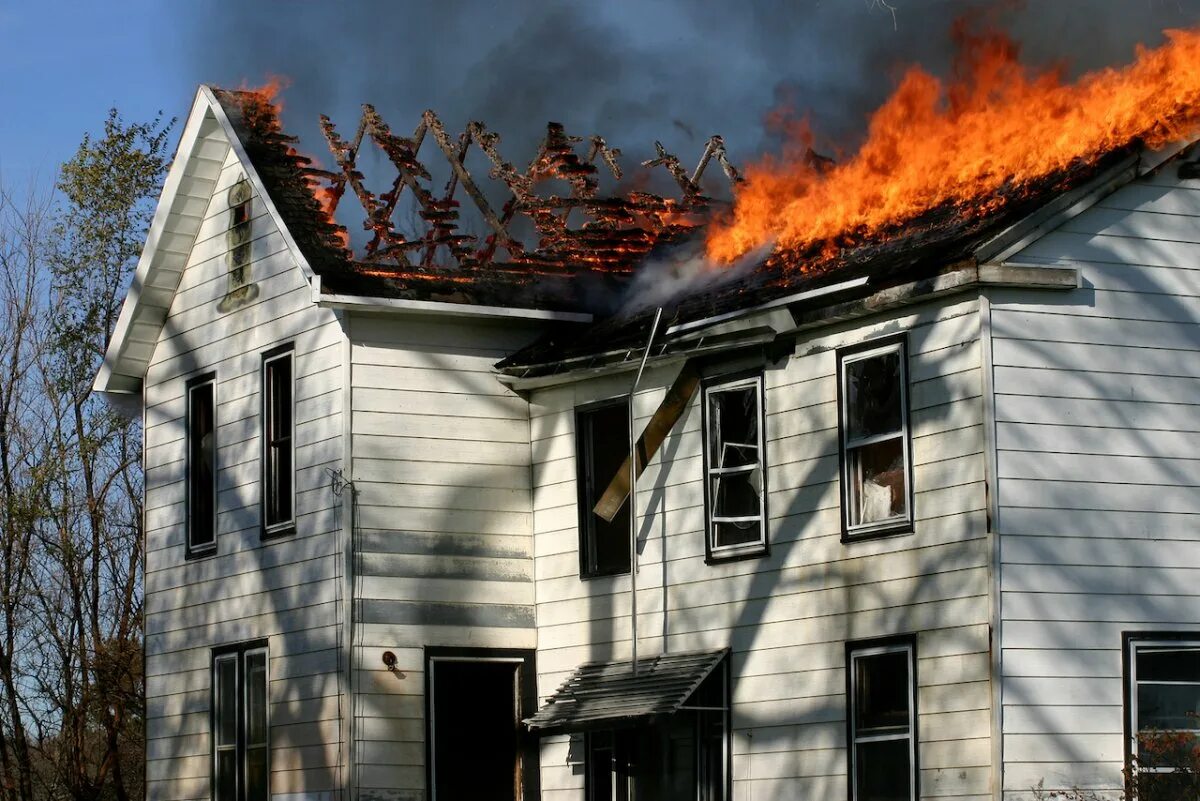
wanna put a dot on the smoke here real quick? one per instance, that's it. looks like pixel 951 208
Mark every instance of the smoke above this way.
pixel 675 70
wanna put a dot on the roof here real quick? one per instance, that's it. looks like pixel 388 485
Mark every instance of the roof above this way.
pixel 942 238
pixel 609 695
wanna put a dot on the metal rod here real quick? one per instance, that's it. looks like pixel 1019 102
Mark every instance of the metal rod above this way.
pixel 633 473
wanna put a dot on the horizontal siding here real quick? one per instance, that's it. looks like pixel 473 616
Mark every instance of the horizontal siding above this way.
pixel 787 616
pixel 1097 430
pixel 285 591
pixel 444 549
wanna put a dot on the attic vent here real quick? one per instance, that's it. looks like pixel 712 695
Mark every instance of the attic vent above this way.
pixel 238 237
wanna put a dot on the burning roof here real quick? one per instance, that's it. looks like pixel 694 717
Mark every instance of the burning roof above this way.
pixel 943 169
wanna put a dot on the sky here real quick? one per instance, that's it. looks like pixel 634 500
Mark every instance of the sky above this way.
pixel 631 70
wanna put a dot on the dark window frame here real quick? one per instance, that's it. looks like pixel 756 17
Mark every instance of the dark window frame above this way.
pixel 192 550
pixel 239 652
pixel 883 645
pixel 526 658
pixel 752 550
pixel 887 528
pixel 583 502
pixel 284 527
pixel 1129 642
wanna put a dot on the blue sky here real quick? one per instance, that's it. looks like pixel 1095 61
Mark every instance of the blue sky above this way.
pixel 64 64
pixel 631 70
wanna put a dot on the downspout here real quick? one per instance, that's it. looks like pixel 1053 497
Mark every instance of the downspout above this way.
pixel 633 473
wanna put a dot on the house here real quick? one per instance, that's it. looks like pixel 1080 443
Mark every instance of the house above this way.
pixel 920 525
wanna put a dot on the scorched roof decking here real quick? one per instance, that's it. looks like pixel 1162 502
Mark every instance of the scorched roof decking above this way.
pixel 609 695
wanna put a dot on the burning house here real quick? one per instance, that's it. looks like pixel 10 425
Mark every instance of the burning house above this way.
pixel 892 496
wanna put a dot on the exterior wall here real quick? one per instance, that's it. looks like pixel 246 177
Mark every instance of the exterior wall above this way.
pixel 444 543
pixel 787 615
pixel 286 590
pixel 1098 434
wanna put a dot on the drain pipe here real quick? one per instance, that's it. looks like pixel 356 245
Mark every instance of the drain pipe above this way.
pixel 633 473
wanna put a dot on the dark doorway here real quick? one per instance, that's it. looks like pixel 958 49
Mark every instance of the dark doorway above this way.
pixel 478 749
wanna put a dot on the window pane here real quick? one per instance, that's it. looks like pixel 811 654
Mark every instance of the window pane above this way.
pixel 737 494
pixel 1168 663
pixel 1176 749
pixel 882 771
pixel 201 464
pixel 256 698
pixel 603 445
pixel 1168 706
pixel 227 701
pixel 600 766
pixel 256 774
pixel 733 427
pixel 881 692
pixel 226 775
pixel 873 396
pixel 1168 787
pixel 878 491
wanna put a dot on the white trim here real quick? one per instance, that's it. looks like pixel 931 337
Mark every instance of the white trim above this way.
pixel 715 550
pixel 107 373
pixel 786 300
pixel 848 444
pixel 367 303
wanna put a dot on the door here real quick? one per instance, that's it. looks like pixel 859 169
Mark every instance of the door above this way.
pixel 477 747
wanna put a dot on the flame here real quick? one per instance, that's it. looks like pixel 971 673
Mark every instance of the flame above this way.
pixel 996 126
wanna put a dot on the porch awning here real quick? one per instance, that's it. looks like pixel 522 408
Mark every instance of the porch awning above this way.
pixel 604 695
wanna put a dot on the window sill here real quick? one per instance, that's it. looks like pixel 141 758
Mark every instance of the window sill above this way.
pixel 603 575
pixel 278 533
pixel 897 529
pixel 195 554
pixel 736 553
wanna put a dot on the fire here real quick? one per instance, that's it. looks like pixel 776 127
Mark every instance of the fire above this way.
pixel 997 126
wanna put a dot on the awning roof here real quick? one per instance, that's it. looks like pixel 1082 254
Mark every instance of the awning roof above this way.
pixel 603 695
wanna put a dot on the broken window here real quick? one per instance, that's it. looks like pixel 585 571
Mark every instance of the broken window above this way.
pixel 278 453
pixel 735 468
pixel 882 721
pixel 240 723
pixel 602 447
pixel 1163 672
pixel 239 234
pixel 873 401
pixel 201 465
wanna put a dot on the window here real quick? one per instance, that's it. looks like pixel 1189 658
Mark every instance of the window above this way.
pixel 240 723
pixel 602 447
pixel 882 718
pixel 239 234
pixel 202 465
pixel 684 758
pixel 873 422
pixel 278 447
pixel 735 468
pixel 1163 706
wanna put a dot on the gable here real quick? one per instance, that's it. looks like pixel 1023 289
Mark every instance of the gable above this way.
pixel 189 227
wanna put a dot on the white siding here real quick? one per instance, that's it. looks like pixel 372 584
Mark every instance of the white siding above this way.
pixel 1098 430
pixel 444 547
pixel 787 615
pixel 286 590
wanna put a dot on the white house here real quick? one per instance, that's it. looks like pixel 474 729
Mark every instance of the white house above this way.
pixel 920 526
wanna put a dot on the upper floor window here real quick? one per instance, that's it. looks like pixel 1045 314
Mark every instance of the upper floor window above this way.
pixel 874 430
pixel 278 438
pixel 602 447
pixel 735 467
pixel 240 719
pixel 201 464
pixel 882 720
pixel 1163 723
pixel 239 234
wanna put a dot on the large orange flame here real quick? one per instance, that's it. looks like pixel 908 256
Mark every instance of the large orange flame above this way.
pixel 997 125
